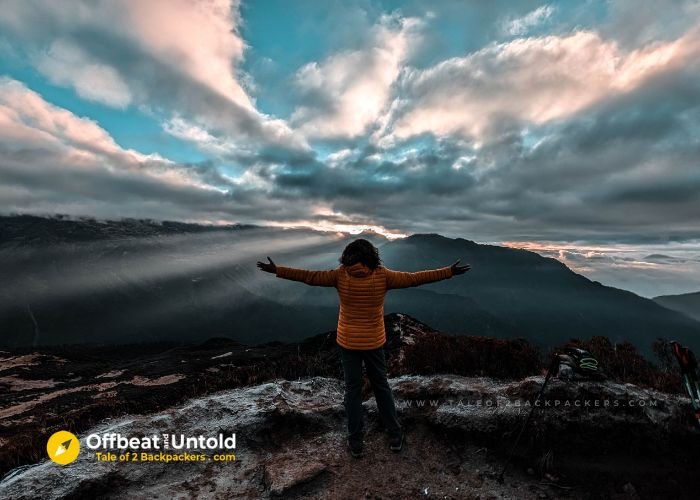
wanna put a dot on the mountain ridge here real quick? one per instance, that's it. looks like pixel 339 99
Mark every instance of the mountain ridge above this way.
pixel 686 303
pixel 68 285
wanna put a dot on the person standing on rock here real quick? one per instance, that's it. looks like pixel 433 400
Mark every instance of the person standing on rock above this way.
pixel 362 283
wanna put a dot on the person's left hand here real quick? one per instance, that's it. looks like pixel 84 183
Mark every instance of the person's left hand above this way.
pixel 267 267
pixel 457 269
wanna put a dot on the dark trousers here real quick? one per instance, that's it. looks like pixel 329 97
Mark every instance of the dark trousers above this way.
pixel 375 364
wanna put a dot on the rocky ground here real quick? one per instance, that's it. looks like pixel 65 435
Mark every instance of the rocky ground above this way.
pixel 290 442
pixel 285 404
pixel 76 387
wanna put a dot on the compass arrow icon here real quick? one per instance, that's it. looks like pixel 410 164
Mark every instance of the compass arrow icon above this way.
pixel 62 448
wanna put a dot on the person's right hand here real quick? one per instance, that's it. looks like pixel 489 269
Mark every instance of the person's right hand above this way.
pixel 267 267
pixel 457 269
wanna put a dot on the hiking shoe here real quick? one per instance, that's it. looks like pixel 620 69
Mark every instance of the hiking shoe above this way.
pixel 396 442
pixel 355 449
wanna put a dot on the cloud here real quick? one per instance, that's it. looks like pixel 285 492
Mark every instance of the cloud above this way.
pixel 68 65
pixel 638 22
pixel 522 25
pixel 54 161
pixel 507 86
pixel 344 95
pixel 622 169
pixel 172 57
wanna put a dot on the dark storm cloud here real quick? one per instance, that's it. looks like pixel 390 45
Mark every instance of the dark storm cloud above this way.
pixel 367 179
pixel 625 168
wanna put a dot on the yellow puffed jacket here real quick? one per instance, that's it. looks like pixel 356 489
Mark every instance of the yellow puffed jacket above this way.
pixel 361 291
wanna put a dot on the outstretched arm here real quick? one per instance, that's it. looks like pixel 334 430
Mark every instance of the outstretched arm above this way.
pixel 397 279
pixel 313 278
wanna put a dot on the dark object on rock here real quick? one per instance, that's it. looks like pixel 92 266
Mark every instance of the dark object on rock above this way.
pixel 689 372
pixel 577 363
pixel 553 367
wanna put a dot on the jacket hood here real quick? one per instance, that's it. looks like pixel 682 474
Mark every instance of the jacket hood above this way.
pixel 358 270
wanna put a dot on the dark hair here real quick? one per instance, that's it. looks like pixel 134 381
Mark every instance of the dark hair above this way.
pixel 363 251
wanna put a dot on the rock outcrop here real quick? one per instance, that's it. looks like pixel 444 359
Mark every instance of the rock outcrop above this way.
pixel 461 399
pixel 290 441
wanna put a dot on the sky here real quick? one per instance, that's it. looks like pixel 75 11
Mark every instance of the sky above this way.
pixel 571 128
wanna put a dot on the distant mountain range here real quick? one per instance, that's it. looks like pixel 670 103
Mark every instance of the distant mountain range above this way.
pixel 687 303
pixel 77 281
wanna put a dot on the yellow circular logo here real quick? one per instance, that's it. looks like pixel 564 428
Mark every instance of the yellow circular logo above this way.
pixel 63 447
